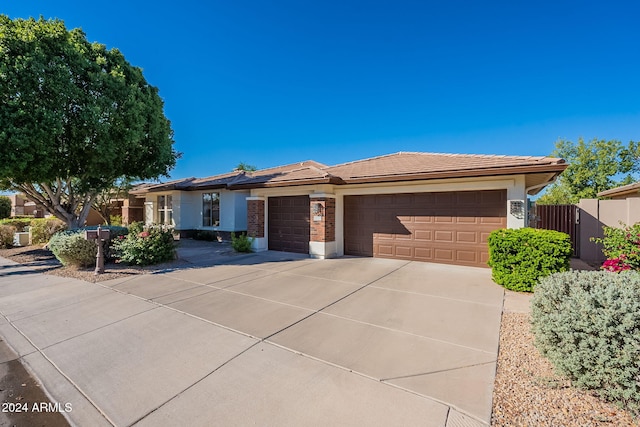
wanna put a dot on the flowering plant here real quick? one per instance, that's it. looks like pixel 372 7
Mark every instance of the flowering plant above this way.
pixel 616 265
pixel 152 245
pixel 621 246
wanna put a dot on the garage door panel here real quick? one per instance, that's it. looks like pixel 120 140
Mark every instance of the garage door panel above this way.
pixel 467 237
pixel 423 235
pixel 289 223
pixel 443 255
pixel 438 227
pixel 404 251
pixel 443 236
pixel 470 257
pixel 443 219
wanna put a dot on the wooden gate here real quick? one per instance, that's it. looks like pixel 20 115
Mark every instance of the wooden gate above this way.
pixel 565 218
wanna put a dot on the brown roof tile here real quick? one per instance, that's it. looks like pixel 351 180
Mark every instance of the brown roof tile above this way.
pixel 402 165
pixel 392 167
pixel 621 191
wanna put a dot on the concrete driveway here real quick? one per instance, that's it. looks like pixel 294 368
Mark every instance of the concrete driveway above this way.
pixel 266 339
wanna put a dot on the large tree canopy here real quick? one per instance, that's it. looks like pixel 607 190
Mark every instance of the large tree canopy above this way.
pixel 75 117
pixel 594 166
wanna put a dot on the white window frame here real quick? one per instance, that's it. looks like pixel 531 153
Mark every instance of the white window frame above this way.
pixel 165 209
pixel 208 214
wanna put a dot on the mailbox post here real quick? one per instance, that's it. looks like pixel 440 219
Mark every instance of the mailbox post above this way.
pixel 100 236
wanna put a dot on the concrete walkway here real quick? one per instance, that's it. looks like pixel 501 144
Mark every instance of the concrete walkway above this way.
pixel 264 339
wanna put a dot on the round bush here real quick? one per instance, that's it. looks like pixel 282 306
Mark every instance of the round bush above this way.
pixel 152 246
pixel 71 248
pixel 519 258
pixel 588 325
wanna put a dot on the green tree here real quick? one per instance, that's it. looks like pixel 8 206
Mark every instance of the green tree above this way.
pixel 105 200
pixel 594 166
pixel 75 117
pixel 242 166
pixel 5 207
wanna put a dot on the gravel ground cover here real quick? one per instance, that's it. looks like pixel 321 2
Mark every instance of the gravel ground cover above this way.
pixel 528 393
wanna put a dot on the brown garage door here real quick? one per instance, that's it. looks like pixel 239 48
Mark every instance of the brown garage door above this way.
pixel 449 227
pixel 289 224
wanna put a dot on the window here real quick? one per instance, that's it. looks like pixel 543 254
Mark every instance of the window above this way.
pixel 165 210
pixel 210 209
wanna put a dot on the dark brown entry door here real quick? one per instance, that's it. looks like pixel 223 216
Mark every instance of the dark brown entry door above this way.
pixel 445 227
pixel 289 224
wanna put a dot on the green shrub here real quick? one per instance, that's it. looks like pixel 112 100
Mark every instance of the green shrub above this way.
pixel 18 223
pixel 588 325
pixel 42 229
pixel 520 257
pixel 5 207
pixel 241 243
pixel 151 246
pixel 115 220
pixel 621 246
pixel 71 248
pixel 6 236
pixel 136 227
pixel 115 232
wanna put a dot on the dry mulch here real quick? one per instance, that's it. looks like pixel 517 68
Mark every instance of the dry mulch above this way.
pixel 528 393
pixel 43 261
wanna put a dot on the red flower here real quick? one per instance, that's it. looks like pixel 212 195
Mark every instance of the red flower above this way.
pixel 143 234
pixel 616 265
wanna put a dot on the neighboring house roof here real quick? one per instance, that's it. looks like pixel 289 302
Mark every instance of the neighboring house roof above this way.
pixel 389 168
pixel 621 191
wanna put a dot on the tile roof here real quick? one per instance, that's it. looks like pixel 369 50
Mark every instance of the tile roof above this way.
pixel 400 166
pixel 621 191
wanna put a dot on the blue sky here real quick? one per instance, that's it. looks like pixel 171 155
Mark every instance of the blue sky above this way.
pixel 275 82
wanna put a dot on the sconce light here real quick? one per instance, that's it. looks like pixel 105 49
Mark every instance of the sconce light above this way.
pixel 317 208
pixel 516 208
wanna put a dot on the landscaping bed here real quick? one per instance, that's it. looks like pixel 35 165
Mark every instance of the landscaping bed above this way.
pixel 43 261
pixel 528 393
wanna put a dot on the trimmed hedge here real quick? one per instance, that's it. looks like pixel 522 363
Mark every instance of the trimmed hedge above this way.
pixel 18 223
pixel 588 324
pixel 520 257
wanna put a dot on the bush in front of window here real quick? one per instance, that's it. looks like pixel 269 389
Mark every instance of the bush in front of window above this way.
pixel 152 245
pixel 241 243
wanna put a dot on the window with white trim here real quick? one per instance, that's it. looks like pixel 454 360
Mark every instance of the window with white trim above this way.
pixel 165 210
pixel 210 209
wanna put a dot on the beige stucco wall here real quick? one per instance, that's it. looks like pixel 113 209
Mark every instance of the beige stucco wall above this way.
pixel 594 214
pixel 515 186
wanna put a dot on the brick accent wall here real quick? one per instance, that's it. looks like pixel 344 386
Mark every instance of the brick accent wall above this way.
pixel 255 218
pixel 324 229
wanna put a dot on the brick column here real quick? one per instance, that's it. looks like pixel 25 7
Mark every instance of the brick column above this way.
pixel 322 209
pixel 323 223
pixel 255 218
